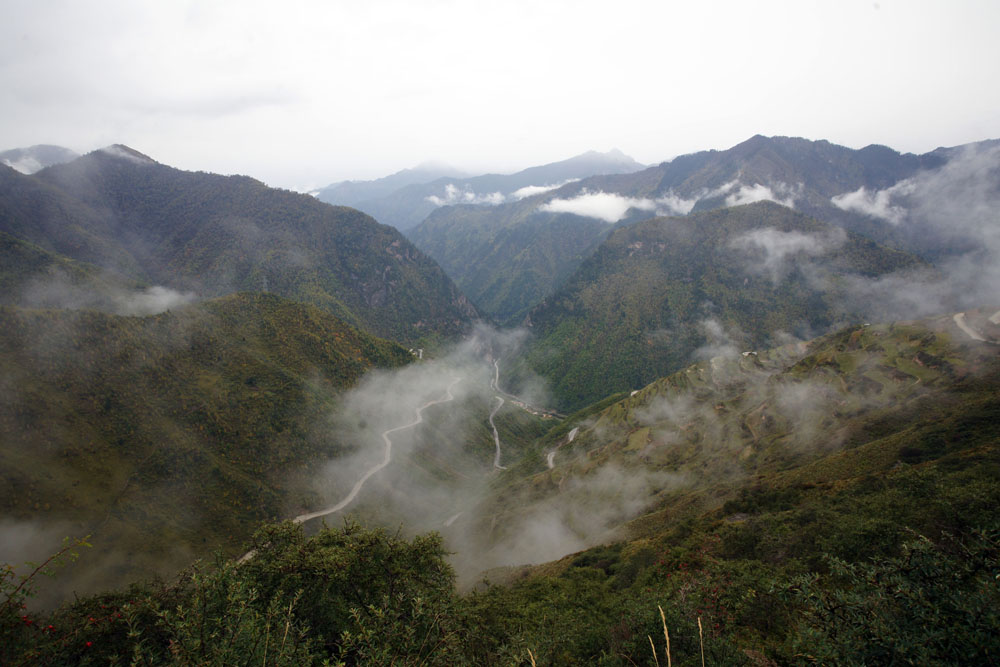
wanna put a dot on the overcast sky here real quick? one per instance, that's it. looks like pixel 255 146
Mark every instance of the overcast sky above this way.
pixel 303 93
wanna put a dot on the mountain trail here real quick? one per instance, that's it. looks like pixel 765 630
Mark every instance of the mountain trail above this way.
pixel 302 518
pixel 496 434
pixel 959 319
pixel 551 458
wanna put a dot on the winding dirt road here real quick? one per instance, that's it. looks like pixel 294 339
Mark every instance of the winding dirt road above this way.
pixel 302 518
pixel 551 458
pixel 496 434
pixel 960 321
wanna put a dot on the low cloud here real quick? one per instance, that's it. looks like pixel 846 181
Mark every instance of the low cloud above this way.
pixel 719 342
pixel 952 213
pixel 780 193
pixel 772 251
pixel 531 190
pixel 152 301
pixel 26 164
pixel 61 290
pixel 877 204
pixel 672 204
pixel 454 195
pixel 607 206
pixel 612 207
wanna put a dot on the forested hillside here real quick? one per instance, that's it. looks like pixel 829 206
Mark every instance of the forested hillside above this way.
pixel 507 259
pixel 212 235
pixel 825 502
pixel 661 291
pixel 169 435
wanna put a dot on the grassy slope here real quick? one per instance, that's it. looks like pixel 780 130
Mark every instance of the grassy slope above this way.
pixel 900 438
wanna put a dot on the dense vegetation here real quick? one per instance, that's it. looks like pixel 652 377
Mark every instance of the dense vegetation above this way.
pixel 657 291
pixel 861 533
pixel 821 502
pixel 214 235
pixel 507 259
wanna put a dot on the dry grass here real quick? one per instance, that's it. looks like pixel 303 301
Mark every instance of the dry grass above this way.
pixel 666 635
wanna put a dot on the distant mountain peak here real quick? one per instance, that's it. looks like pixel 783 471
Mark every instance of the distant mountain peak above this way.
pixel 127 153
pixel 35 158
pixel 614 154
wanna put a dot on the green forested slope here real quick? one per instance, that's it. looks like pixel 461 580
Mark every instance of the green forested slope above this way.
pixel 656 293
pixel 214 235
pixel 830 502
pixel 507 258
pixel 172 434
pixel 33 276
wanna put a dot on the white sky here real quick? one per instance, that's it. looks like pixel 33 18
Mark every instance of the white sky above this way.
pixel 301 93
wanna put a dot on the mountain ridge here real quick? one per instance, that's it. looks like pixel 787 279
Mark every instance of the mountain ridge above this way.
pixel 407 206
pixel 212 234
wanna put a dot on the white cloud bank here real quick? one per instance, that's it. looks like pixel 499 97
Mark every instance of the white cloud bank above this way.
pixel 738 193
pixel 773 249
pixel 25 165
pixel 454 195
pixel 876 204
pixel 152 301
pixel 612 207
pixel 532 190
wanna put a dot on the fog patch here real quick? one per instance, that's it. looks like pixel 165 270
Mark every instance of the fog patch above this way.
pixel 719 342
pixel 24 545
pixel 532 190
pixel 586 511
pixel 607 206
pixel 877 204
pixel 438 467
pixel 153 300
pixel 808 406
pixel 772 252
pixel 454 195
pixel 778 192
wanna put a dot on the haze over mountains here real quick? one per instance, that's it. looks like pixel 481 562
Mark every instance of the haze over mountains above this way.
pixel 404 207
pixel 32 159
pixel 510 257
pixel 209 235
pixel 766 351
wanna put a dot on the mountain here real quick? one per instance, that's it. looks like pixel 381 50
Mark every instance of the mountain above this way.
pixel 172 434
pixel 30 275
pixel 355 193
pixel 493 254
pixel 406 207
pixel 829 502
pixel 195 232
pixel 724 281
pixel 507 258
pixel 32 159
